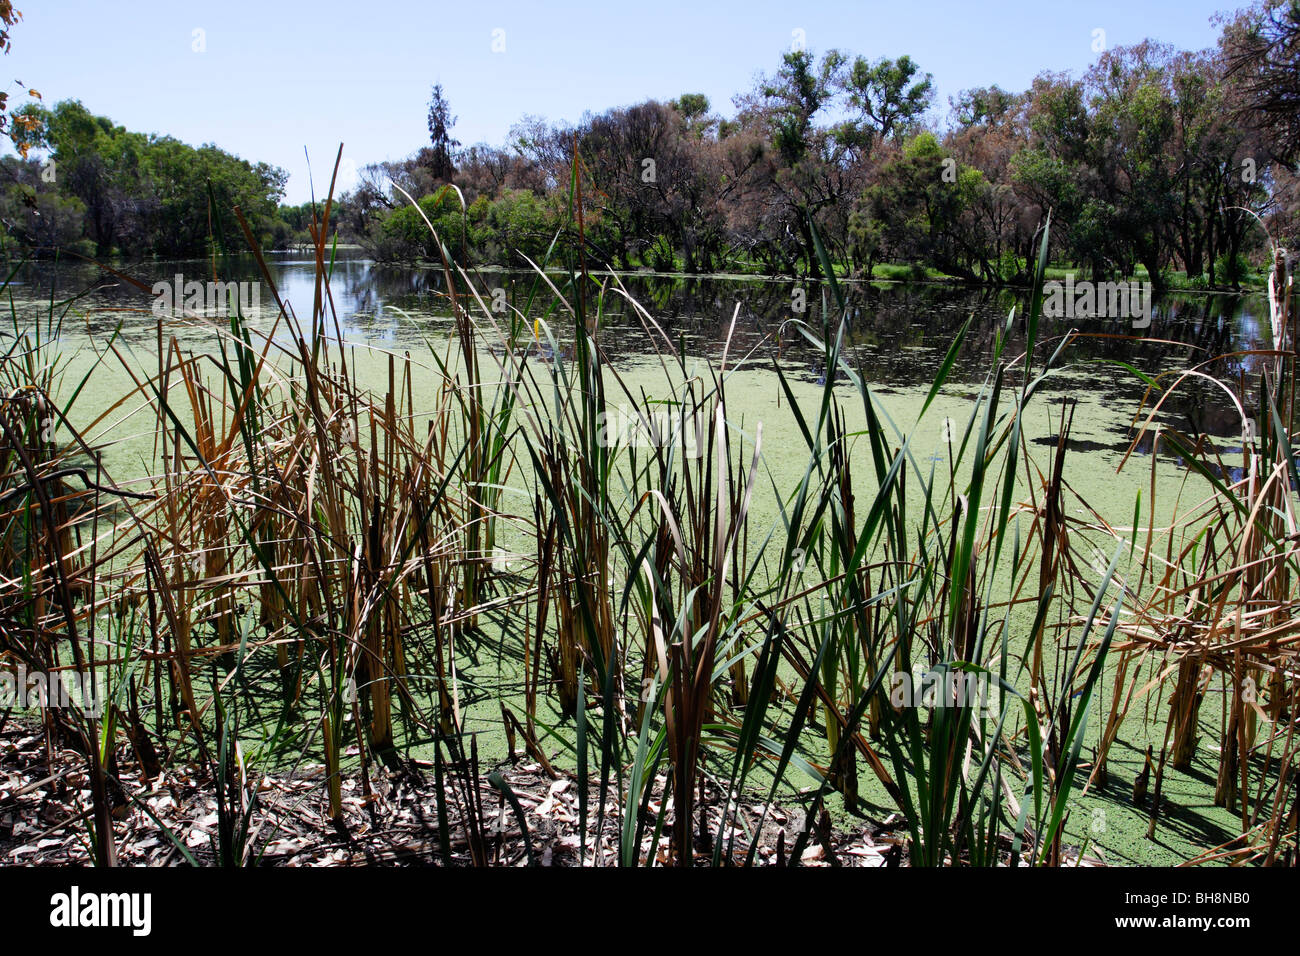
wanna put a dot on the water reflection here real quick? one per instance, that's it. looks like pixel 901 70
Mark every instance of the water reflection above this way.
pixel 896 337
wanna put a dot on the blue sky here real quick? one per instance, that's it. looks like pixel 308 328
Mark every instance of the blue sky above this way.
pixel 275 76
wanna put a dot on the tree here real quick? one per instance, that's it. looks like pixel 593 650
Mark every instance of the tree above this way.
pixel 794 97
pixel 917 213
pixel 811 169
pixel 991 132
pixel 1263 51
pixel 148 195
pixel 691 105
pixel 886 97
pixel 34 213
pixel 441 122
pixel 982 106
pixel 23 127
pixel 1142 161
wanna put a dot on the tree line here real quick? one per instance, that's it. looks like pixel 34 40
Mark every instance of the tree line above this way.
pixel 1155 160
pixel 83 184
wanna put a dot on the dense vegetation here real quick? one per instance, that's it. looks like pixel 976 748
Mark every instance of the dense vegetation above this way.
pixel 103 190
pixel 319 586
pixel 1156 159
pixel 319 569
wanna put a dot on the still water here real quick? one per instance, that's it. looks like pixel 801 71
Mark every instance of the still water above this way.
pixel 896 338
pixel 896 334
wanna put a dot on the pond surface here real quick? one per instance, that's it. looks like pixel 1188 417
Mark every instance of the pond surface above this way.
pixel 896 336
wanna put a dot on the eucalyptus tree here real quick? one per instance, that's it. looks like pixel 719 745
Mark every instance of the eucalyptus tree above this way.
pixel 889 96
pixel 146 194
pixel 1262 46
pixel 991 129
pixel 809 171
